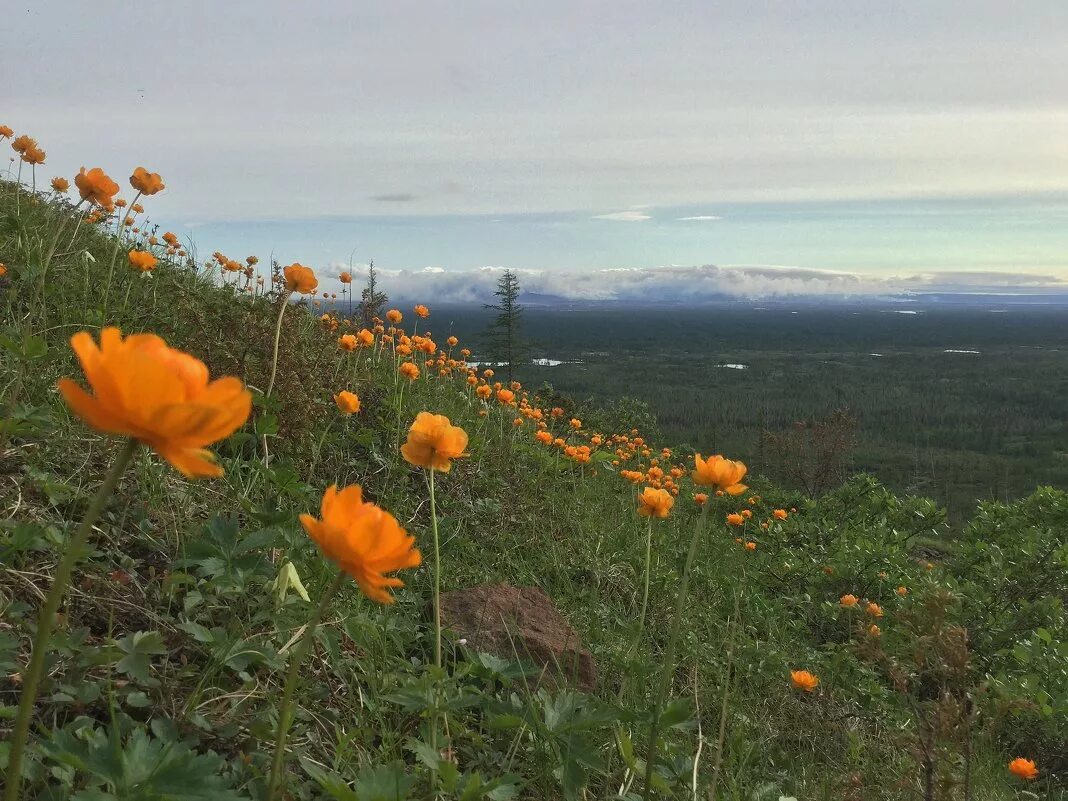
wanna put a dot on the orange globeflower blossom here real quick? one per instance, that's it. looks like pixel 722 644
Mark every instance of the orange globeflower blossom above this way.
pixel 779 514
pixel 544 437
pixel 3 269
pixel 750 546
pixel 735 519
pixel 1024 768
pixel 145 182
pixel 902 591
pixel 575 423
pixel 803 680
pixel 142 260
pixel 874 630
pixel 347 341
pixel 21 144
pixel 96 187
pixel 345 278
pixel 421 311
pixel 505 396
pixel 746 514
pixel 394 316
pixel 655 503
pixel 452 342
pixel 433 442
pixel 300 279
pixel 874 609
pixel 170 238
pixel 5 132
pixel 409 370
pixel 719 472
pixel 365 541
pixel 148 391
pixel 33 155
pixel 700 498
pixel 484 391
pixel 61 185
pixel 347 402
pixel 365 337
pixel 848 601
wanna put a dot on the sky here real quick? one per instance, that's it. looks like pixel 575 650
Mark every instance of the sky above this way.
pixel 873 143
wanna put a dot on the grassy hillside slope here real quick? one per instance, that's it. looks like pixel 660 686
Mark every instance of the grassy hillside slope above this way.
pixel 165 673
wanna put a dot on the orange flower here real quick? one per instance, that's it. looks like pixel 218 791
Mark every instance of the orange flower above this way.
pixel 300 279
pixel 421 311
pixel 735 519
pixel 347 341
pixel 33 155
pixel 159 395
pixel 655 503
pixel 505 396
pixel 345 278
pixel 719 472
pixel 142 260
pixel 433 442
pixel 21 144
pixel 145 182
pixel 874 609
pixel 700 498
pixel 409 371
pixel 848 601
pixel 544 437
pixel 347 402
pixel 5 132
pixel 874 630
pixel 365 338
pixel 779 514
pixel 364 540
pixel 750 546
pixel 170 238
pixel 902 591
pixel 803 680
pixel 96 187
pixel 394 316
pixel 484 391
pixel 1024 768
pixel 3 269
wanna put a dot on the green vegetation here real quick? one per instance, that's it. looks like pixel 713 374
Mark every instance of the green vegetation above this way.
pixel 164 676
pixel 951 426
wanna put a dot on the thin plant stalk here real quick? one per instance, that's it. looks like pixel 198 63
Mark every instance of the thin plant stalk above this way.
pixel 274 365
pixel 669 657
pixel 31 678
pixel 119 230
pixel 276 783
pixel 437 608
pixel 645 592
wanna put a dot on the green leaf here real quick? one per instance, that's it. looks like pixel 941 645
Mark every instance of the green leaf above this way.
pixel 139 647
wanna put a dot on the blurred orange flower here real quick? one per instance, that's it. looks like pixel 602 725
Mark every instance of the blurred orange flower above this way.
pixel 363 539
pixel 394 316
pixel 145 182
pixel 655 503
pixel 803 680
pixel 300 279
pixel 433 442
pixel 735 519
pixel 848 601
pixel 1024 768
pixel 347 402
pixel 96 187
pixel 409 371
pixel 719 472
pixel 422 311
pixel 142 260
pixel 159 395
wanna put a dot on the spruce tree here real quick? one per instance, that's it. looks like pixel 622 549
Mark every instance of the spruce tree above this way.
pixel 503 343
pixel 371 299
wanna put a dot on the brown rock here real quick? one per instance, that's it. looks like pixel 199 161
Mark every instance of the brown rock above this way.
pixel 504 620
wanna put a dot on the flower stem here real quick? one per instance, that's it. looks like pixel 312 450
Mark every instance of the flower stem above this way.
pixel 645 593
pixel 277 339
pixel 437 614
pixel 669 657
pixel 276 784
pixel 31 679
pixel 119 230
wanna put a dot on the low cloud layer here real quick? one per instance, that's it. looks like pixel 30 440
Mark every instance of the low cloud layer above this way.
pixel 698 284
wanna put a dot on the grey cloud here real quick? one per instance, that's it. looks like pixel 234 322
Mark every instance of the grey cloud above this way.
pixel 395 197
